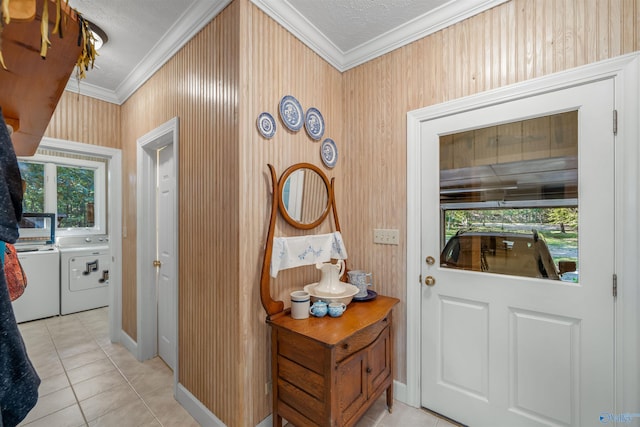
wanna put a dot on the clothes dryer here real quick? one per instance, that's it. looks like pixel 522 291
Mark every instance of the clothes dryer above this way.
pixel 84 275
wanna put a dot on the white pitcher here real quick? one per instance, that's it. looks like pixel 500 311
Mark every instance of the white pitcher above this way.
pixel 330 282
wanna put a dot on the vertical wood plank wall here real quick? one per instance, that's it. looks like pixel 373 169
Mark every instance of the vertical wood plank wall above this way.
pixel 240 65
pixel 275 64
pixel 200 85
pixel 83 119
pixel 510 43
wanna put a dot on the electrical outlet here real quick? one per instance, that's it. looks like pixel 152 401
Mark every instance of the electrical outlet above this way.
pixel 386 237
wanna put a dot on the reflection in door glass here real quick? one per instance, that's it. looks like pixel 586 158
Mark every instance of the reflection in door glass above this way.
pixel 509 198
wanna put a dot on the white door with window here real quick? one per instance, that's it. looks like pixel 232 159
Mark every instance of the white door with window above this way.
pixel 165 207
pixel 505 348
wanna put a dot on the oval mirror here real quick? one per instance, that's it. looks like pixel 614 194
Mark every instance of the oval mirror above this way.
pixel 304 195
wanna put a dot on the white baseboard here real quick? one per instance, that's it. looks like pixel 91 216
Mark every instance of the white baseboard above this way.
pixel 129 343
pixel 196 409
pixel 401 393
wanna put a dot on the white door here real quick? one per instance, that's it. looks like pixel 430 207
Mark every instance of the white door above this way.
pixel 165 209
pixel 502 350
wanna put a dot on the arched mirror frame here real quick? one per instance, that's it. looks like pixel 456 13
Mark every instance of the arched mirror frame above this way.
pixel 270 305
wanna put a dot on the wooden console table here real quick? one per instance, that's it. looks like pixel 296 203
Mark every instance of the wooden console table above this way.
pixel 328 371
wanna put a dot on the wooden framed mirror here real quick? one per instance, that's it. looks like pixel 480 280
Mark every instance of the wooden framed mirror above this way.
pixel 304 197
pixel 304 194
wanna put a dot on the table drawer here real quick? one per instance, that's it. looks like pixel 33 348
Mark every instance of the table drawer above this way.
pixel 360 339
pixel 302 350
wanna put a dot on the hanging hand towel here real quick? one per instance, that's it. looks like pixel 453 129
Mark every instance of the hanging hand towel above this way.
pixel 289 252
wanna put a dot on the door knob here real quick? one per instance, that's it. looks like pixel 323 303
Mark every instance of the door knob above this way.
pixel 429 281
pixel 430 260
pixel 157 263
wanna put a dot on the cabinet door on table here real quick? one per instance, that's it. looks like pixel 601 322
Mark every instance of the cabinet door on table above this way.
pixel 351 385
pixel 379 361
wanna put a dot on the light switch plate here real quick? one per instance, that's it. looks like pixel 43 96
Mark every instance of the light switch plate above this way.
pixel 386 236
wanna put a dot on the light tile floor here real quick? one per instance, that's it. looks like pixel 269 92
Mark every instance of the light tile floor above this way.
pixel 89 381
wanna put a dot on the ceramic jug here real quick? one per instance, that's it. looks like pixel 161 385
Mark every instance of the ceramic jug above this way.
pixel 360 279
pixel 330 282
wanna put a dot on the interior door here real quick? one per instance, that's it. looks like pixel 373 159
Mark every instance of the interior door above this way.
pixel 504 350
pixel 165 250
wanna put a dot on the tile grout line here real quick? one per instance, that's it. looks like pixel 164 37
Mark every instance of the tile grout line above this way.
pixel 134 389
pixel 123 376
pixel 129 383
pixel 66 374
pixel 82 322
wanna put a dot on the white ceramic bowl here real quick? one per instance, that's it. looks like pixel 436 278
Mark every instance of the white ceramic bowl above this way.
pixel 344 297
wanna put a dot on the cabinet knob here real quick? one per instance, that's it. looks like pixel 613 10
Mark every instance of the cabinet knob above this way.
pixel 368 370
pixel 345 346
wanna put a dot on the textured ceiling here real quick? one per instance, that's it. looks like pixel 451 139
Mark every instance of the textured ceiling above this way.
pixel 351 23
pixel 144 34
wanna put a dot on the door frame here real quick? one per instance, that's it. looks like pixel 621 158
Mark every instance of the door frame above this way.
pixel 625 71
pixel 147 320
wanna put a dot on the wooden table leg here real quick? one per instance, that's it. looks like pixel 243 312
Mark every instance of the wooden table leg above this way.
pixel 390 398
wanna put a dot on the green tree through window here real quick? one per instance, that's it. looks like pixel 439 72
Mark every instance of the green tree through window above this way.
pixel 76 189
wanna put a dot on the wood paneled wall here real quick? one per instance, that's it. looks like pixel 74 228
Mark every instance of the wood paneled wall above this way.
pixel 510 43
pixel 276 64
pixel 200 85
pixel 83 119
pixel 240 65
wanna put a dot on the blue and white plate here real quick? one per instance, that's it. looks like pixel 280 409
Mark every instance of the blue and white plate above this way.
pixel 266 125
pixel 329 152
pixel 291 113
pixel 371 295
pixel 314 123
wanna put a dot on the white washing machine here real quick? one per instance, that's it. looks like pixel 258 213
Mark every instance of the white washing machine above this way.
pixel 40 261
pixel 84 273
pixel 41 298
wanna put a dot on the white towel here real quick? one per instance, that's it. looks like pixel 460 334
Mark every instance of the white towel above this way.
pixel 289 252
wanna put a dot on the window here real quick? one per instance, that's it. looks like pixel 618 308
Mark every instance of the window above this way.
pixel 509 198
pixel 73 189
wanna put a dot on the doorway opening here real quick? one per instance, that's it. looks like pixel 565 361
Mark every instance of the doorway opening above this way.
pixel 157 244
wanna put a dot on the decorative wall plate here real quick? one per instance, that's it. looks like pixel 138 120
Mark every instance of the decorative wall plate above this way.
pixel 314 123
pixel 329 152
pixel 291 113
pixel 266 125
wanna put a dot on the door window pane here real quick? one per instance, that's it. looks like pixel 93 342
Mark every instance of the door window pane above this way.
pixel 509 198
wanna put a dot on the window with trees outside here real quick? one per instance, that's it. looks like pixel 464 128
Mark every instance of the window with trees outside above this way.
pixel 73 189
pixel 509 198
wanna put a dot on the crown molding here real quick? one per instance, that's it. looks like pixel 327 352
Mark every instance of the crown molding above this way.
pixel 183 30
pixel 201 13
pixel 284 14
pixel 416 29
pixel 450 13
pixel 93 91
